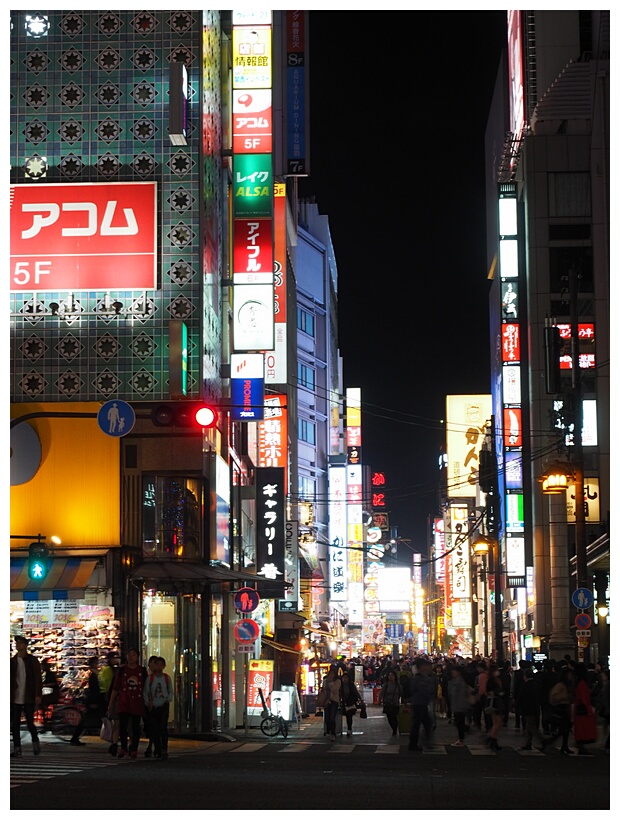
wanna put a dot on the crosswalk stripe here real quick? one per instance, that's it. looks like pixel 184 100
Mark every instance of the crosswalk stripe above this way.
pixel 249 747
pixel 387 750
pixel 295 747
pixel 341 749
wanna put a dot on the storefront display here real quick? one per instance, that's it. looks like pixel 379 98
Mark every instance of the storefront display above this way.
pixel 67 634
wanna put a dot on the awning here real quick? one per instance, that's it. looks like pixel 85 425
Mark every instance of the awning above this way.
pixel 184 571
pixel 280 647
pixel 66 578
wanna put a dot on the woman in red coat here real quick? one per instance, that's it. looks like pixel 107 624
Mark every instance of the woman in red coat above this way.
pixel 584 717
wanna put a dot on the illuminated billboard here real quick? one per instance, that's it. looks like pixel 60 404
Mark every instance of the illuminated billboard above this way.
pixel 337 511
pixel 252 317
pixel 252 252
pixel 251 54
pixel 467 417
pixel 83 236
pixel 252 122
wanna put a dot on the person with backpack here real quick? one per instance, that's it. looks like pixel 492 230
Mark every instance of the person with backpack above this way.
pixel 157 698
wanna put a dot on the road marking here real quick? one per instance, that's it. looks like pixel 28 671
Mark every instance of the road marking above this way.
pixel 340 749
pixel 295 747
pixel 387 750
pixel 249 747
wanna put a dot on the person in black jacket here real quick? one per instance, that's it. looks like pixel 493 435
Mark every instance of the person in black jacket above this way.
pixel 529 708
pixel 95 703
pixel 26 694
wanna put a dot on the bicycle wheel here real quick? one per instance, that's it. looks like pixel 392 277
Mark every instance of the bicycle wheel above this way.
pixel 270 726
pixel 283 727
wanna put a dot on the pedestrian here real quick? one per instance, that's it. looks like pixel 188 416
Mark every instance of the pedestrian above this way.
pixel 50 692
pixel 529 709
pixel 422 691
pixel 157 698
pixel 493 708
pixel 26 694
pixel 94 702
pixel 349 699
pixel 441 702
pixel 151 667
pixel 545 680
pixel 127 696
pixel 459 694
pixel 584 716
pixel 432 704
pixel 561 699
pixel 517 683
pixel 106 679
pixel 389 698
pixel 505 677
pixel 331 685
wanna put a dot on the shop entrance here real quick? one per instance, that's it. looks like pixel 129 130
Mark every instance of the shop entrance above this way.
pixel 172 631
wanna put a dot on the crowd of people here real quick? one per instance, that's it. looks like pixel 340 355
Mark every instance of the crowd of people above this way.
pixel 547 700
pixel 134 701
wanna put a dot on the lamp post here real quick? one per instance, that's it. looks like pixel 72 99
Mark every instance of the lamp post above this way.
pixel 554 482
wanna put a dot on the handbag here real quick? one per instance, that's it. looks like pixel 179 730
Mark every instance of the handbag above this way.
pixel 107 730
pixel 321 698
pixel 363 712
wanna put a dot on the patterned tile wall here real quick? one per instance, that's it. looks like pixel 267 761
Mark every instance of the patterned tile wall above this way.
pixel 89 93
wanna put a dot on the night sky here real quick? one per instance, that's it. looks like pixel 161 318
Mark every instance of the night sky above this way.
pixel 399 103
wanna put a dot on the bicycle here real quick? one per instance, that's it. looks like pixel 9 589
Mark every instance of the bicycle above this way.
pixel 271 725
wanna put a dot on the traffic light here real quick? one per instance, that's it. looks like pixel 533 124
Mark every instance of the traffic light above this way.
pixel 184 414
pixel 37 561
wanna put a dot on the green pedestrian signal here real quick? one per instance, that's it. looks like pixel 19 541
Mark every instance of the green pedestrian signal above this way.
pixel 37 561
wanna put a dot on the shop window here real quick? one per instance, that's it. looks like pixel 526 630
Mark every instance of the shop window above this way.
pixel 172 516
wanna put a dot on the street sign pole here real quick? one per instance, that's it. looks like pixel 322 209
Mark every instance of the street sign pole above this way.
pixel 246 716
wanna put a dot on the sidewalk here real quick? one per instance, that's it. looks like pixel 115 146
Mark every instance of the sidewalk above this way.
pixel 375 730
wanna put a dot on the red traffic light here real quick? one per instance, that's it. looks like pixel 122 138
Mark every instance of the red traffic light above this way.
pixel 184 414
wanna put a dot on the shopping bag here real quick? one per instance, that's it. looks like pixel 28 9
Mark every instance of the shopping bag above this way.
pixel 107 730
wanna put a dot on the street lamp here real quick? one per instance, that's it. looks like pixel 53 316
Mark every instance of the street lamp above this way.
pixel 555 478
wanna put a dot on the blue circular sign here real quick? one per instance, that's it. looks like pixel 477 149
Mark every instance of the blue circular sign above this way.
pixel 116 418
pixel 582 598
pixel 246 599
pixel 246 631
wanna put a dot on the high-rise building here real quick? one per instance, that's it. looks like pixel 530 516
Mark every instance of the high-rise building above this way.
pixel 548 193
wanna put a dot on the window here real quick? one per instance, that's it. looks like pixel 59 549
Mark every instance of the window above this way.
pixel 305 321
pixel 305 376
pixel 306 431
pixel 306 487
pixel 171 517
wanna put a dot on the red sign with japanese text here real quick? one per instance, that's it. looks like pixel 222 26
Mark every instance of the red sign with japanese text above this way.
pixel 511 343
pixel 273 434
pixel 260 676
pixel 252 121
pixel 253 251
pixel 83 236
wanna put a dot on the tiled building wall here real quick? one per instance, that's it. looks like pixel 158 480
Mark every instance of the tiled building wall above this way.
pixel 89 103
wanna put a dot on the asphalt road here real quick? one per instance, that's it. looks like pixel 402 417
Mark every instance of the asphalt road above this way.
pixel 311 773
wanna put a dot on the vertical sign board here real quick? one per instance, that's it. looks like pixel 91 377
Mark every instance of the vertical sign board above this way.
pixel 247 386
pixel 260 676
pixel 275 360
pixel 252 194
pixel 467 418
pixel 337 532
pixel 291 561
pixel 296 114
pixel 355 529
pixel 219 517
pixel 273 435
pixel 461 571
pixel 270 529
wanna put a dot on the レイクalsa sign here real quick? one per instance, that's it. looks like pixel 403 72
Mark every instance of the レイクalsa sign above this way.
pixel 83 236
